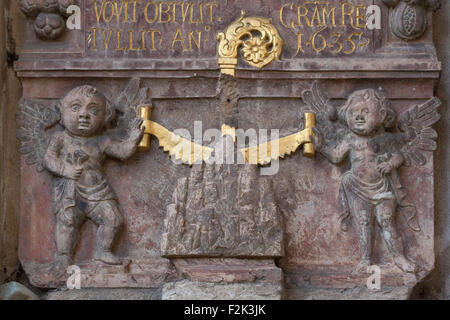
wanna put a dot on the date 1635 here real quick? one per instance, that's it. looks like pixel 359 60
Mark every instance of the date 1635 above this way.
pixel 336 42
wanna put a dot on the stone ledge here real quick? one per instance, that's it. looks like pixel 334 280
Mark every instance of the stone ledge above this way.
pixel 104 294
pixel 227 270
pixel 148 273
pixel 195 290
pixel 342 277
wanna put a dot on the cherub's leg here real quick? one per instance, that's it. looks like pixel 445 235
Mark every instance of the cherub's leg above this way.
pixel 109 221
pixel 363 214
pixel 385 217
pixel 68 223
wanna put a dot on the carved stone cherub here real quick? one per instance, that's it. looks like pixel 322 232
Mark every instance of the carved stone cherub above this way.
pixel 75 157
pixel 371 188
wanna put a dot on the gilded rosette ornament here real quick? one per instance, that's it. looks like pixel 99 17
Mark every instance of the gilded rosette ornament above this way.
pixel 258 39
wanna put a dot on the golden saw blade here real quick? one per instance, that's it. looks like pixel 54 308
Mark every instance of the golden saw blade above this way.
pixel 181 148
pixel 263 153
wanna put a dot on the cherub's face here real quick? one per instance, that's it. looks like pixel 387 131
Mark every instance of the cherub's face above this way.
pixel 84 116
pixel 364 117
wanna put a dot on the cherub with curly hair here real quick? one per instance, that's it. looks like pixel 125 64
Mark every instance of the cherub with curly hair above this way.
pixel 371 189
pixel 75 156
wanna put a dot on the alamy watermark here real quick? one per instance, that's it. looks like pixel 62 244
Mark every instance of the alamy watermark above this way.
pixel 74 19
pixel 374 280
pixel 230 150
pixel 74 280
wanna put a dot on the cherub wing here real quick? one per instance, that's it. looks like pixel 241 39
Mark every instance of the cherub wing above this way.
pixel 181 148
pixel 129 100
pixel 33 120
pixel 417 135
pixel 318 102
pixel 326 113
pixel 128 96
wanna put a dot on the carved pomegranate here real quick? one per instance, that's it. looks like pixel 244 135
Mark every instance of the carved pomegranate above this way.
pixel 49 15
pixel 49 26
pixel 408 21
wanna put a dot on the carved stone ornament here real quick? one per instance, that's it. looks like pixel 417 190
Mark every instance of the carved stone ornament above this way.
pixel 71 141
pixel 371 190
pixel 49 16
pixel 408 18
pixel 258 39
pixel 223 211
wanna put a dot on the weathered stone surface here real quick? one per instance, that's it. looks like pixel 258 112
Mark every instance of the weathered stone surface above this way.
pixel 300 187
pixel 356 293
pixel 16 291
pixel 11 36
pixel 223 210
pixel 183 36
pixel 73 153
pixel 150 273
pixel 408 20
pixel 317 282
pixel 306 190
pixel 228 270
pixel 194 290
pixel 104 294
pixel 341 276
pixel 48 16
pixel 217 278
pixel 437 285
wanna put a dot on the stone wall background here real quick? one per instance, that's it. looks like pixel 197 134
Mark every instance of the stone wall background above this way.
pixel 436 286
pixel 10 91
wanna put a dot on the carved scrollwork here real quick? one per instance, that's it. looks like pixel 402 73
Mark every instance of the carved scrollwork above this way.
pixel 260 43
pixel 49 16
pixel 408 18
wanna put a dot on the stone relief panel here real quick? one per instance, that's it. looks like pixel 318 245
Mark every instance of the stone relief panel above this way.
pixel 223 211
pixel 359 193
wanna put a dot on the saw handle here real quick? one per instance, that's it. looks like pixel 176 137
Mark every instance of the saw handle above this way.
pixel 310 122
pixel 145 112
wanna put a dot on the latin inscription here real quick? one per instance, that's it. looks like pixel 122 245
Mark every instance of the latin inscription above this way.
pixel 311 27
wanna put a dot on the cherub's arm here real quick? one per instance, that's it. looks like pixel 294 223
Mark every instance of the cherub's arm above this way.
pixel 122 150
pixel 337 153
pixel 52 162
pixel 395 161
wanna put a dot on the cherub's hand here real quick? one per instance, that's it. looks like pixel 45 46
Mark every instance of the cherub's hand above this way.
pixel 384 167
pixel 317 139
pixel 72 172
pixel 136 132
